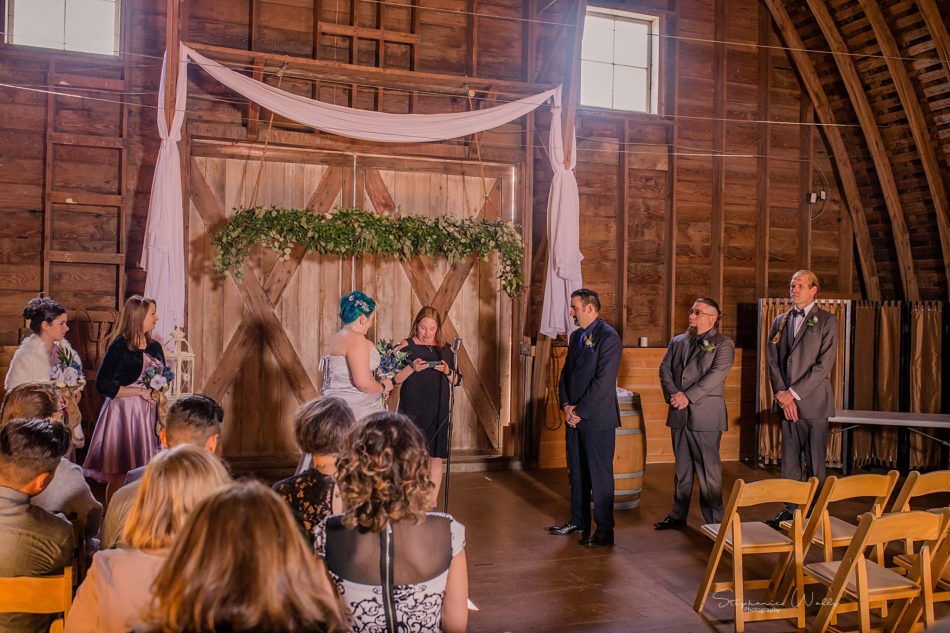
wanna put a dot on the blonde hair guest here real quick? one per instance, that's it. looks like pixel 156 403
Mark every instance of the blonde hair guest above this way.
pixel 240 564
pixel 117 589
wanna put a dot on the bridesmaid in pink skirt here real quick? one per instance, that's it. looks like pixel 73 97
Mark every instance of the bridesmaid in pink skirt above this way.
pixel 125 436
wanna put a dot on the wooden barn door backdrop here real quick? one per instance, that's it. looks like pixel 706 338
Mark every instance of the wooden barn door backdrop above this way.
pixel 258 343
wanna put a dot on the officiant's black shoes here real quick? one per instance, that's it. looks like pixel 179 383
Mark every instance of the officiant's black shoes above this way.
pixel 598 539
pixel 669 523
pixel 565 528
pixel 784 515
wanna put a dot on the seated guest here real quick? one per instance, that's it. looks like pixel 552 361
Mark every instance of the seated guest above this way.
pixel 320 427
pixel 241 565
pixel 118 586
pixel 68 492
pixel 194 420
pixel 383 474
pixel 33 542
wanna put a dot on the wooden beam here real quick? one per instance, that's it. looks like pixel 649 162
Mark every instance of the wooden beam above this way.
pixel 572 81
pixel 806 152
pixel 172 40
pixel 938 32
pixel 394 78
pixel 623 229
pixel 917 123
pixel 717 212
pixel 253 107
pixel 364 33
pixel 872 135
pixel 763 217
pixel 812 83
pixel 471 38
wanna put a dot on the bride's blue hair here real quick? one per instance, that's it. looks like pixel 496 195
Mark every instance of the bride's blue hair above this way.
pixel 354 304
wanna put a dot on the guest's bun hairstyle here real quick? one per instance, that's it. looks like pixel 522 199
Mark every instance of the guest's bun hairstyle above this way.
pixel 383 473
pixel 130 322
pixel 240 564
pixel 321 425
pixel 354 305
pixel 41 310
pixel 175 481
pixel 31 400
pixel 30 447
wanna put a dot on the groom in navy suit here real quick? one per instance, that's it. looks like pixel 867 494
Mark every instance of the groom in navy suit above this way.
pixel 588 397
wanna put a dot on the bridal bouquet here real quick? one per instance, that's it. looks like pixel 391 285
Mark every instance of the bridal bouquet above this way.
pixel 391 360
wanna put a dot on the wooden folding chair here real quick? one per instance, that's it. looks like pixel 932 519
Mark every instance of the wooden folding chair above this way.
pixel 740 538
pixel 907 619
pixel 821 522
pixel 38 594
pixel 860 580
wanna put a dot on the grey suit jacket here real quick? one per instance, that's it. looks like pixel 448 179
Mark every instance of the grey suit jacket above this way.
pixel 803 363
pixel 701 375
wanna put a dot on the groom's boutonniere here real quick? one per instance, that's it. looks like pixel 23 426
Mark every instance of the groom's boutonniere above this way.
pixel 708 347
pixel 589 340
pixel 812 322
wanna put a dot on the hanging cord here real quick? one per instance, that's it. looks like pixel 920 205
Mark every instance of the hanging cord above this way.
pixel 270 125
pixel 478 154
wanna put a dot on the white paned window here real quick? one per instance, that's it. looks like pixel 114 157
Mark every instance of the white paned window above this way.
pixel 619 60
pixel 86 26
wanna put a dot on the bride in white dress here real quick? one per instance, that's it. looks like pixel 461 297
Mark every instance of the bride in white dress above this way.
pixel 349 366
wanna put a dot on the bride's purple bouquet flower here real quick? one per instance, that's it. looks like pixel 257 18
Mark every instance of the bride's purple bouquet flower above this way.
pixel 158 377
pixel 391 360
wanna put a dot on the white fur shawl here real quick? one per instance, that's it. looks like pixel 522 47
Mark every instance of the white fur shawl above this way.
pixel 30 362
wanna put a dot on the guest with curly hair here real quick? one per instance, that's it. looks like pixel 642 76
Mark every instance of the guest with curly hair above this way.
pixel 351 360
pixel 241 565
pixel 68 492
pixel 396 566
pixel 117 588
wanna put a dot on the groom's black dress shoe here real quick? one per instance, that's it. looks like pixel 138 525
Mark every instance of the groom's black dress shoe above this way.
pixel 565 528
pixel 669 523
pixel 598 539
pixel 784 515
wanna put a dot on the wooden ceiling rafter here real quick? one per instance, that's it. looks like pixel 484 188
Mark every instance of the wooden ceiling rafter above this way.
pixel 812 84
pixel 938 32
pixel 875 143
pixel 918 125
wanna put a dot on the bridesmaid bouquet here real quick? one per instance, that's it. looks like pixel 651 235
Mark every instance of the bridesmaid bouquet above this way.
pixel 66 373
pixel 391 360
pixel 158 378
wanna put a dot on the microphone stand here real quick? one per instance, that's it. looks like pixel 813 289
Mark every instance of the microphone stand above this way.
pixel 448 460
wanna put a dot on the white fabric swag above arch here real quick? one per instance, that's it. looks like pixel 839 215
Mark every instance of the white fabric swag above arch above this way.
pixel 163 255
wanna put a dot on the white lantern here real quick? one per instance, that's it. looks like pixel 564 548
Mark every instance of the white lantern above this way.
pixel 181 359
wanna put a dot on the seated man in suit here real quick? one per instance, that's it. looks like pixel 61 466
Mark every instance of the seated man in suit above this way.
pixel 693 377
pixel 33 542
pixel 194 420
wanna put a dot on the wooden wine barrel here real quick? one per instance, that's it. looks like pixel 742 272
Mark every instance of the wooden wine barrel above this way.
pixel 629 454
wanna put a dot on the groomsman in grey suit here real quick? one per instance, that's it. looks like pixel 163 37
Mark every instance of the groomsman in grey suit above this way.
pixel 800 354
pixel 693 377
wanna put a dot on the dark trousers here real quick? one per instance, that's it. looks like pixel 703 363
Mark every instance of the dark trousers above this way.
pixel 590 467
pixel 697 452
pixel 804 445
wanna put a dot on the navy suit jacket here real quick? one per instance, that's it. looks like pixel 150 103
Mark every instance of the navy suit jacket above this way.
pixel 589 377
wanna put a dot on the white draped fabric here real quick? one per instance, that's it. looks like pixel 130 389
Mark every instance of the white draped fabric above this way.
pixel 163 256
pixel 564 254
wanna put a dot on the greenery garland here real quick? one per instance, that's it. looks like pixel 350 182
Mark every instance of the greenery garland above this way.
pixel 355 232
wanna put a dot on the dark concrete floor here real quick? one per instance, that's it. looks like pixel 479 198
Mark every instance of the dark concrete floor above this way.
pixel 522 579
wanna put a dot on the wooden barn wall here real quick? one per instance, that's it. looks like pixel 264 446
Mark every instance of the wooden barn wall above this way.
pixel 711 200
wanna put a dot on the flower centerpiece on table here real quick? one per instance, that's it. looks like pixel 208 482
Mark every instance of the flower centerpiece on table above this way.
pixel 66 373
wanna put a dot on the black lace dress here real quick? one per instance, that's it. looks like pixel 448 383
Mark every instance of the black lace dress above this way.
pixel 310 497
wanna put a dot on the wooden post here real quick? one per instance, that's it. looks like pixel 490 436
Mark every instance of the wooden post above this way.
pixel 763 217
pixel 572 86
pixel 172 41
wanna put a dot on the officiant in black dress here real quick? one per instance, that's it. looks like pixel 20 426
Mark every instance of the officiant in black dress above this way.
pixel 427 382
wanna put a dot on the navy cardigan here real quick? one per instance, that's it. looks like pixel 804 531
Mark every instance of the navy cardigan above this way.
pixel 123 366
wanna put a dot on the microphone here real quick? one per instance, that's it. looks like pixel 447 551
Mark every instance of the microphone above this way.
pixel 456 344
